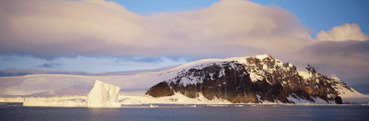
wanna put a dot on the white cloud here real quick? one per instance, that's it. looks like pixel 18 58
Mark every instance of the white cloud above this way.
pixel 343 33
pixel 48 28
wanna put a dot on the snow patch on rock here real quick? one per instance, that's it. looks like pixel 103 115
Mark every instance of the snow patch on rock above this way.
pixel 255 77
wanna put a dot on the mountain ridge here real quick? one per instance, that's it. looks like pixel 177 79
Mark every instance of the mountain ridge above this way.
pixel 253 79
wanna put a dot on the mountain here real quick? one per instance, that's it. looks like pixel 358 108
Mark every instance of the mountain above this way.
pixel 255 79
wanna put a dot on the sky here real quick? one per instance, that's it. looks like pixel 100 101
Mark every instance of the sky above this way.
pixel 96 36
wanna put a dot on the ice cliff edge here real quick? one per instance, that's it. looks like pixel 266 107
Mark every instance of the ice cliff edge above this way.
pixel 103 95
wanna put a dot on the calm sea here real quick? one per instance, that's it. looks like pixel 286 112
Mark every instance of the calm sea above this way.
pixel 187 113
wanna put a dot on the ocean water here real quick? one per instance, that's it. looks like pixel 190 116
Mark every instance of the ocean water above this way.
pixel 188 113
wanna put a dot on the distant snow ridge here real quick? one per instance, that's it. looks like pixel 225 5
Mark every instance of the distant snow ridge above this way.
pixel 103 95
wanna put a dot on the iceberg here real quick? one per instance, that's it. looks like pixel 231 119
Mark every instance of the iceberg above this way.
pixel 103 95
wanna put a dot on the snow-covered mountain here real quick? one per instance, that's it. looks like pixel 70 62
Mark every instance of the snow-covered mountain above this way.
pixel 254 79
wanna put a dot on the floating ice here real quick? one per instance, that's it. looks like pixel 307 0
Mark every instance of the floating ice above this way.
pixel 103 95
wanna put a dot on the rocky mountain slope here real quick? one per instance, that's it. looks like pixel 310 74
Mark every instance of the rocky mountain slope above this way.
pixel 255 79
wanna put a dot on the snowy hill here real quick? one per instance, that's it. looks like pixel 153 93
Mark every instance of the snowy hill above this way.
pixel 254 79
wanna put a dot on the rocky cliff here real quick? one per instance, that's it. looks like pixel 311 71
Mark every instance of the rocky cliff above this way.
pixel 254 79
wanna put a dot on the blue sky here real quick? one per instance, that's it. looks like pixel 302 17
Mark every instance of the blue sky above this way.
pixel 147 7
pixel 39 36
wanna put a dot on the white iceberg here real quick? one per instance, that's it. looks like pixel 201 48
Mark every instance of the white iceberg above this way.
pixel 103 95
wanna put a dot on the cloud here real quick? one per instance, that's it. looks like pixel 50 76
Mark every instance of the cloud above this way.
pixel 21 72
pixel 343 51
pixel 50 65
pixel 53 28
pixel 346 59
pixel 343 33
pixel 346 53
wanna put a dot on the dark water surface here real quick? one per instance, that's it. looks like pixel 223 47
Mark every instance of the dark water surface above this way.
pixel 185 113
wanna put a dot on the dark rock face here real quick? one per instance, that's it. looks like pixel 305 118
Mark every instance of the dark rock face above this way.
pixel 236 82
pixel 160 90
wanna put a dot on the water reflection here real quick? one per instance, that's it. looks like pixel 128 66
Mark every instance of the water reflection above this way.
pixel 188 112
pixel 101 114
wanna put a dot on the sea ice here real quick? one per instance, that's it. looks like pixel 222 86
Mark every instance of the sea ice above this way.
pixel 103 95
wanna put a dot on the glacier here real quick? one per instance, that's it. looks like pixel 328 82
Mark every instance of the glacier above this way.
pixel 103 95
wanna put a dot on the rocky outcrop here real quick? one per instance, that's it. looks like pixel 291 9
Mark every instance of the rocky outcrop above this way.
pixel 160 90
pixel 250 80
